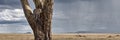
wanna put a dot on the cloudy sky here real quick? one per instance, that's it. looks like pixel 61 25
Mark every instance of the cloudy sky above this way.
pixel 68 16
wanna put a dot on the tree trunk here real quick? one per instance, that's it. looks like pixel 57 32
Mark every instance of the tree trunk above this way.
pixel 40 19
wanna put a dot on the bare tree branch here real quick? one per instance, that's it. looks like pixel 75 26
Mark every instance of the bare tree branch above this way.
pixel 38 3
pixel 28 13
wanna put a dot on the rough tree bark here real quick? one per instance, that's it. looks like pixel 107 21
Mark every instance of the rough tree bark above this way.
pixel 40 18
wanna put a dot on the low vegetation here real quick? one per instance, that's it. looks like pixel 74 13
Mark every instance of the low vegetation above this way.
pixel 63 37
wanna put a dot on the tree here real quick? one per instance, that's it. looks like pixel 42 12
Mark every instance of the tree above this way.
pixel 40 18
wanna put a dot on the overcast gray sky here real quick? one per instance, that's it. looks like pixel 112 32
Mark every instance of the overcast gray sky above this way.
pixel 68 16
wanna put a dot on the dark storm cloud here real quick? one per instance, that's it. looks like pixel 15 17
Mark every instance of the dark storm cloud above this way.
pixel 65 1
pixel 71 1
pixel 87 15
pixel 9 2
pixel 12 3
pixel 89 0
pixel 13 22
pixel 72 16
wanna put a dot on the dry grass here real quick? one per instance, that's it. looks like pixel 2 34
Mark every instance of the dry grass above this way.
pixel 63 37
pixel 16 37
